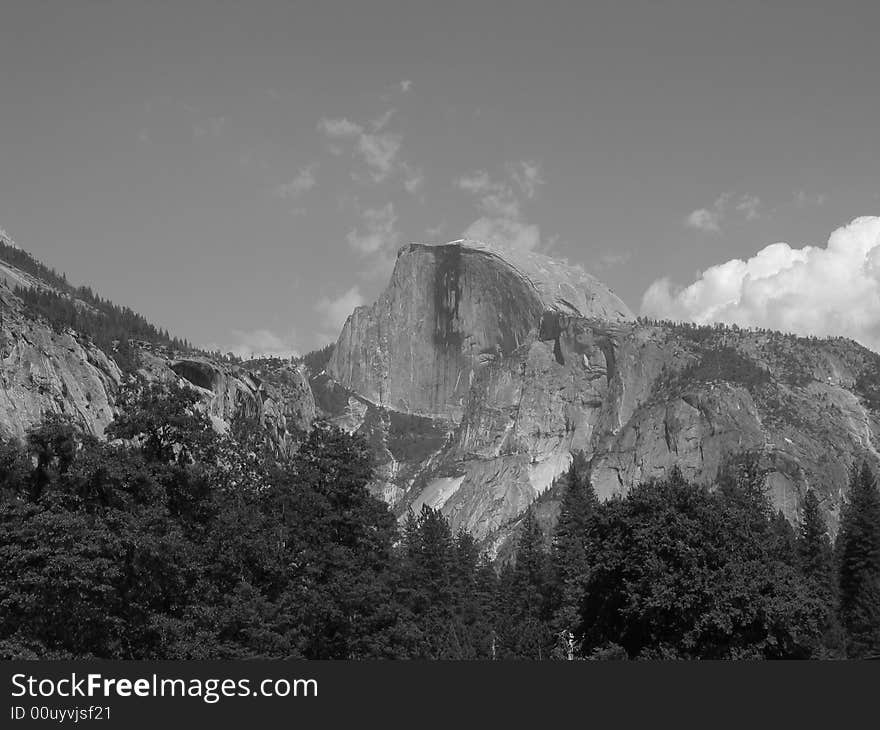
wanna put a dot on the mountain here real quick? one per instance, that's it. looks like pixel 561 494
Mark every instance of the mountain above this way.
pixel 474 377
pixel 478 372
pixel 65 350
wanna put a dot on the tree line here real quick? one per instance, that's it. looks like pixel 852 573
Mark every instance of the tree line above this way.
pixel 64 306
pixel 168 540
pixel 110 327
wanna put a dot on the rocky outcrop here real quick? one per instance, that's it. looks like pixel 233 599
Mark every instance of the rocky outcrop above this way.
pixel 492 369
pixel 274 394
pixel 449 311
pixel 43 370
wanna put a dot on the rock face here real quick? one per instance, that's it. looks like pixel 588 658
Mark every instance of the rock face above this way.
pixel 477 374
pixel 276 395
pixel 450 310
pixel 43 370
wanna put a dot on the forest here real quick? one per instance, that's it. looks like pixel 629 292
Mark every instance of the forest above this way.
pixel 168 540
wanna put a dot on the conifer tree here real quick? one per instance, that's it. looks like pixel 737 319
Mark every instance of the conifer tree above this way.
pixel 524 596
pixel 816 561
pixel 858 545
pixel 570 551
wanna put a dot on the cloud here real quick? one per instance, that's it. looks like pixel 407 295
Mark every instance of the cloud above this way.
pixel 496 199
pixel 434 232
pixel 405 86
pixel 611 259
pixel 749 205
pixel 513 234
pixel 377 232
pixel 704 219
pixel 414 179
pixel 823 291
pixel 709 219
pixel 381 121
pixel 477 183
pixel 260 343
pixel 527 175
pixel 378 150
pixel 803 199
pixel 339 128
pixel 302 183
pixel 502 220
pixel 335 311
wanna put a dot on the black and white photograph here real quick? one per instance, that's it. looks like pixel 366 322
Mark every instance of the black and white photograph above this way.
pixel 492 331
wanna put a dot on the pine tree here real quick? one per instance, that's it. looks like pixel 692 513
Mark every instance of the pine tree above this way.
pixel 570 550
pixel 524 632
pixel 858 544
pixel 816 560
pixel 427 588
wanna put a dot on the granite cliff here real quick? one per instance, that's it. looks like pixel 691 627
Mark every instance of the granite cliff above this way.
pixel 477 373
pixel 47 368
pixel 474 377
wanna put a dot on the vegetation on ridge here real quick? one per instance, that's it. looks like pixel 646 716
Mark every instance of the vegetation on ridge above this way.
pixel 64 306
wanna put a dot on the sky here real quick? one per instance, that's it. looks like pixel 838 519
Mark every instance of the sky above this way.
pixel 243 173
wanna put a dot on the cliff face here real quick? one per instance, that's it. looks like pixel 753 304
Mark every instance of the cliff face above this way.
pixel 448 312
pixel 43 370
pixel 475 376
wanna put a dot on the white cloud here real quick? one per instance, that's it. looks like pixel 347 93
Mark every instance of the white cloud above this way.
pixel 709 219
pixel 503 221
pixel 339 128
pixel 513 234
pixel 827 291
pixel 377 233
pixel 303 182
pixel 335 311
pixel 496 199
pixel 527 175
pixel 378 150
pixel 749 205
pixel 704 219
pixel 260 343
pixel 405 85
pixel 477 183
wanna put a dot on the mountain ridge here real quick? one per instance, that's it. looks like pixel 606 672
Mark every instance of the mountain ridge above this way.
pixel 65 350
pixel 477 374
pixel 638 397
